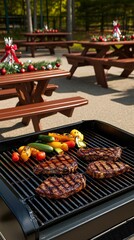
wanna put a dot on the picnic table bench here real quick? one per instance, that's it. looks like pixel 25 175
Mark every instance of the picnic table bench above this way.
pixel 40 110
pixel 51 45
pixel 102 51
pixel 30 87
pixel 77 60
pixel 100 64
pixel 11 92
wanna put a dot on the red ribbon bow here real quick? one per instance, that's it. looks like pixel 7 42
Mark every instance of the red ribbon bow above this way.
pixel 10 50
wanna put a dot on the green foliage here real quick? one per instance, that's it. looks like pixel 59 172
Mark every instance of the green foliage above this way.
pixel 88 14
pixel 16 67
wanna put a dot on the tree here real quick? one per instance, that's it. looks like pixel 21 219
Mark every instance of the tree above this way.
pixel 69 18
pixel 29 16
pixel 35 14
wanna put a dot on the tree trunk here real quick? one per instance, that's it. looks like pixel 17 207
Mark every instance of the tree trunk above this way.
pixel 35 14
pixel 29 16
pixel 73 14
pixel 69 18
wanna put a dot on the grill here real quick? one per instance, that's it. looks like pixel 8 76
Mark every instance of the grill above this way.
pixel 103 210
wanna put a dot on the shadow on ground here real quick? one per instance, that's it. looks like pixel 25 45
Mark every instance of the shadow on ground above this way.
pixel 88 85
pixel 126 97
pixel 18 125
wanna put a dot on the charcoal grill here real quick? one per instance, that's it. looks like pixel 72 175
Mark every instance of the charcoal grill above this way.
pixel 103 210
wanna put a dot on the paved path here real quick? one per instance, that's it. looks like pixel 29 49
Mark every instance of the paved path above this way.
pixel 114 105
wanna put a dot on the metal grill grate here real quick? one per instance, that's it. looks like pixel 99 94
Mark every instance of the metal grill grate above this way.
pixel 23 182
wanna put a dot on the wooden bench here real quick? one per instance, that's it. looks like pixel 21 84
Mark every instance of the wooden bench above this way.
pixel 11 92
pixel 19 42
pixel 100 64
pixel 43 109
pixel 77 60
pixel 49 45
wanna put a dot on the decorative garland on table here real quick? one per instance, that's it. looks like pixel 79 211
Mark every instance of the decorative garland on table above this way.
pixel 6 68
pixel 116 36
pixel 110 38
pixel 11 64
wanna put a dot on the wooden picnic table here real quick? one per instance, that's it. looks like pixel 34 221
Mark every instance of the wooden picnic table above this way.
pixel 49 40
pixel 46 36
pixel 122 49
pixel 31 103
pixel 24 83
pixel 101 50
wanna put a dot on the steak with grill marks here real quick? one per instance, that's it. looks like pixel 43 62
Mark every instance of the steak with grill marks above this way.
pixel 97 153
pixel 61 187
pixel 59 164
pixel 106 169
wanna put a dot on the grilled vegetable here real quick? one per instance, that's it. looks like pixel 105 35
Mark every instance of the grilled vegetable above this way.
pixel 59 151
pixel 62 137
pixel 75 133
pixel 25 153
pixel 20 149
pixel 41 146
pixel 60 145
pixel 80 144
pixel 71 144
pixel 46 138
pixel 40 155
pixel 79 137
pixel 34 151
pixel 64 147
pixel 15 157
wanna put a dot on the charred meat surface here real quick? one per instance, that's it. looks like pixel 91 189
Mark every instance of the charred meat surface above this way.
pixel 62 187
pixel 59 164
pixel 106 169
pixel 97 153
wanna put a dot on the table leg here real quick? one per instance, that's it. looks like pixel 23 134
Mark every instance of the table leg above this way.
pixel 126 73
pixel 36 123
pixel 24 94
pixel 102 52
pixel 72 70
pixel 51 50
pixel 100 74
pixel 39 90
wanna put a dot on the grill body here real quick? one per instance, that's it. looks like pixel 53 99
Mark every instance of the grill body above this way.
pixel 104 210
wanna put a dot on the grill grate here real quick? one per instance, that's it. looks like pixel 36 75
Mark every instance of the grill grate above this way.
pixel 23 182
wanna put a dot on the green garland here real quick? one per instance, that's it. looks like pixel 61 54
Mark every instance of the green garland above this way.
pixel 110 38
pixel 17 67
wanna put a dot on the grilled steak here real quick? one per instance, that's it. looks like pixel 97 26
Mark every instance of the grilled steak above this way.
pixel 59 164
pixel 106 169
pixel 61 187
pixel 97 153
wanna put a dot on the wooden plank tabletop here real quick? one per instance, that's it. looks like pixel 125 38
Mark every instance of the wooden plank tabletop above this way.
pixel 47 34
pixel 10 79
pixel 107 43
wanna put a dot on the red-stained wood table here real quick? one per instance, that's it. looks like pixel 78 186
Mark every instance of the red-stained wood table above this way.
pixel 31 103
pixel 46 36
pixel 28 92
pixel 49 40
pixel 121 50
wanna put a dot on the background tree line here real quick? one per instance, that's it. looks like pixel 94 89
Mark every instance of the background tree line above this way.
pixel 87 15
